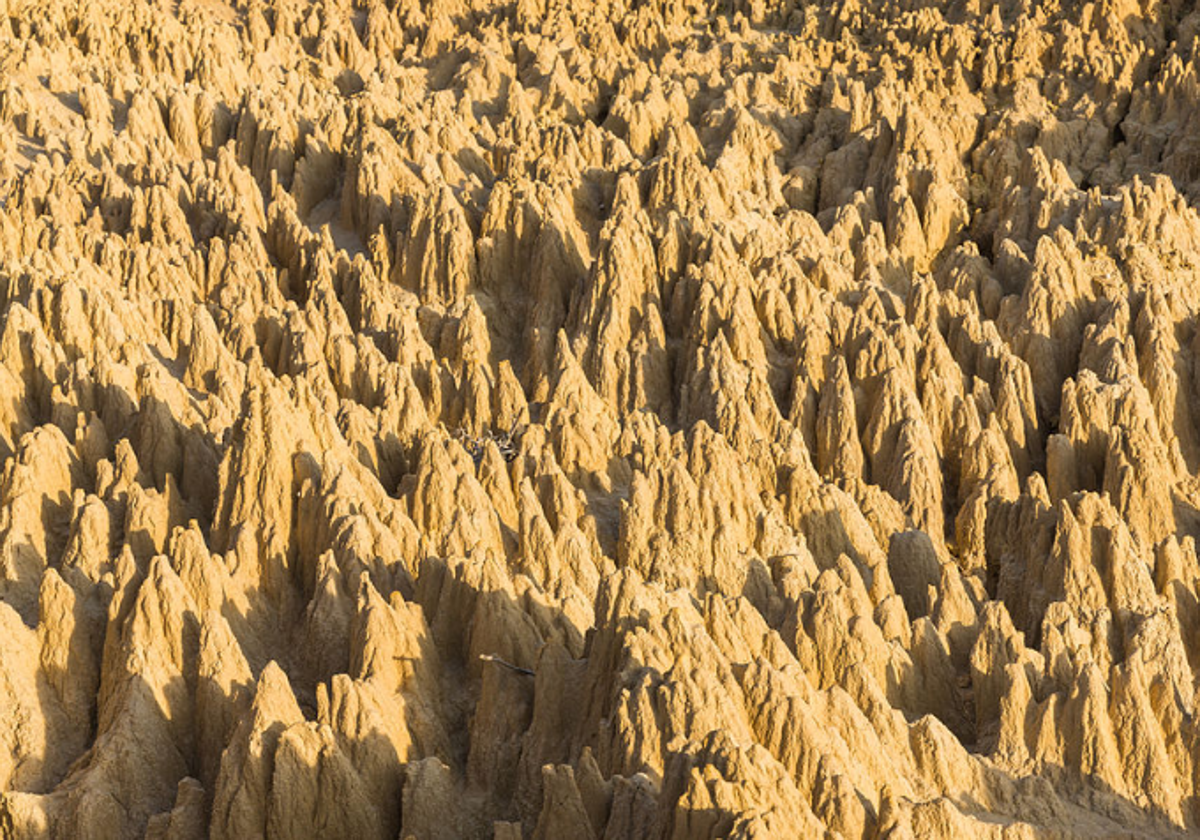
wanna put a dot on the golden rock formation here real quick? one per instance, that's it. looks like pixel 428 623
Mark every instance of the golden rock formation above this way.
pixel 470 419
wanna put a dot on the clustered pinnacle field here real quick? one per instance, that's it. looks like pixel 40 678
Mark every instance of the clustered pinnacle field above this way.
pixel 599 420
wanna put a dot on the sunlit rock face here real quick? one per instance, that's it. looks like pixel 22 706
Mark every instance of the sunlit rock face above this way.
pixel 538 420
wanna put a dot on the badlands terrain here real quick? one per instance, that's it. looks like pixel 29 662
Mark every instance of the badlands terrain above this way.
pixel 599 419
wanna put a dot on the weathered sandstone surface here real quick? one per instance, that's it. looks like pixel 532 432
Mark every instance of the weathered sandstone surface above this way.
pixel 599 419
